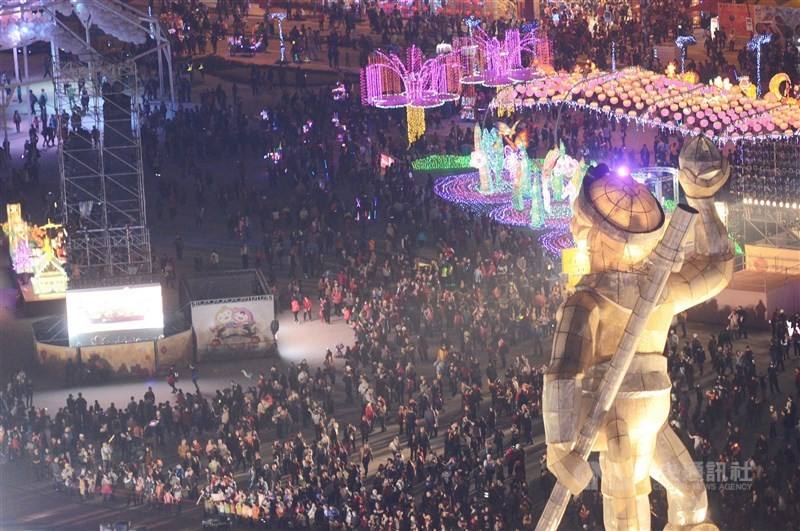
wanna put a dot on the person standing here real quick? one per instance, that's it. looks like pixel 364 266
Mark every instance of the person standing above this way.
pixel 172 378
pixel 296 309
pixel 179 246
pixel 245 254
pixel 195 376
pixel 43 105
pixel 33 101
pixel 307 305
pixel 47 66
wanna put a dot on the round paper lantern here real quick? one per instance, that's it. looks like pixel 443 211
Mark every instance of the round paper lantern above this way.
pixel 664 112
pixel 677 116
pixel 717 126
pixel 614 100
pixel 690 120
pixel 703 123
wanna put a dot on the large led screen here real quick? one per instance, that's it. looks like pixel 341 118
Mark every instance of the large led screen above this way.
pixel 115 309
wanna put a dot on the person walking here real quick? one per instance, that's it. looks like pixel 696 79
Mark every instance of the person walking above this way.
pixel 307 305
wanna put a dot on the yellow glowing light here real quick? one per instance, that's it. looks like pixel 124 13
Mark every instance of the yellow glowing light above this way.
pixel 415 116
pixel 776 82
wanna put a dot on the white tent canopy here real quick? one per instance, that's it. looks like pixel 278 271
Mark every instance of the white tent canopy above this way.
pixel 23 22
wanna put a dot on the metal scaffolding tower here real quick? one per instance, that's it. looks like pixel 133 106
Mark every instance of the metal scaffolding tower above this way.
pixel 100 160
pixel 96 105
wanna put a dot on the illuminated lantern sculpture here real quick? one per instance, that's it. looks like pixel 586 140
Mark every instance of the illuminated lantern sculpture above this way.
pixel 618 405
pixel 494 62
pixel 415 84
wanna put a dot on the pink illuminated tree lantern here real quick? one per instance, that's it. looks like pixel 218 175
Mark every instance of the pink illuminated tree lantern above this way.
pixel 493 62
pixel 394 83
pixel 415 84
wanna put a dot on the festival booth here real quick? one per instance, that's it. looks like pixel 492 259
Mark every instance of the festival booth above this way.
pixel 231 314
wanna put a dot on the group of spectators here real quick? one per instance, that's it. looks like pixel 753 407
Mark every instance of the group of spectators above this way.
pixel 441 302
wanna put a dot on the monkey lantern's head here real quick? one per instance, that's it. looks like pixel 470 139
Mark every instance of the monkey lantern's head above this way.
pixel 618 220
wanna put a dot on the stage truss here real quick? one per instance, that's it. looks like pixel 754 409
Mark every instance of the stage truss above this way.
pixel 764 182
pixel 100 159
pixel 96 102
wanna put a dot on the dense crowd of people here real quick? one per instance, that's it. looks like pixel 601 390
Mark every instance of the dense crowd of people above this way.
pixel 428 421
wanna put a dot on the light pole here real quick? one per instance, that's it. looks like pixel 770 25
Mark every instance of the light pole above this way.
pixel 682 42
pixel 755 45
pixel 613 56
pixel 5 98
pixel 280 17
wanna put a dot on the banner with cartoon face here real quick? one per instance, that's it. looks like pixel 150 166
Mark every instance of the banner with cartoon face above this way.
pixel 232 329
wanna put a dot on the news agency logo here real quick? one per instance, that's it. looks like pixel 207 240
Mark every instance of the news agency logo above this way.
pixel 717 475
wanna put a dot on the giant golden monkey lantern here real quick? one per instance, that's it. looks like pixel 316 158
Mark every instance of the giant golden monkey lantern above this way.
pixel 617 402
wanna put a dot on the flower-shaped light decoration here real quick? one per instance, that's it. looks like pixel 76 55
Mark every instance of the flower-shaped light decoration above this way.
pixel 493 62
pixel 415 84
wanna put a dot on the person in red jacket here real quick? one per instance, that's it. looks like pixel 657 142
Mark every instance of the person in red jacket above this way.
pixel 307 304
pixel 295 308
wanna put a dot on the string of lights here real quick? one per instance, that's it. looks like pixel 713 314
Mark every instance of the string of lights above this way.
pixel 441 163
pixel 756 44
pixel 416 123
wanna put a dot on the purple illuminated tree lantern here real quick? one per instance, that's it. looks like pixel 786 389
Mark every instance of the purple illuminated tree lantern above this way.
pixel 493 62
pixel 415 84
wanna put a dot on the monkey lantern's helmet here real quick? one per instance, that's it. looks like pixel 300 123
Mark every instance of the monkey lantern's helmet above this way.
pixel 618 220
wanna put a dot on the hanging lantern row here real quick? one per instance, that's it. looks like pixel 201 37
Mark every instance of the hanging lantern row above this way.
pixel 668 103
